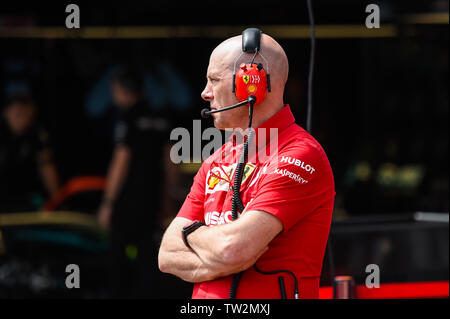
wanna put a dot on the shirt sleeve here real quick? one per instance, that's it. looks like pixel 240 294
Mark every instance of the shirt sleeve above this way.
pixel 193 206
pixel 293 186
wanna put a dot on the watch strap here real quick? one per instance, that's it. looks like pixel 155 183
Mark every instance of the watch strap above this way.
pixel 189 229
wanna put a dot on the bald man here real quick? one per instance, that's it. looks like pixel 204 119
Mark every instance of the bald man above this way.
pixel 288 197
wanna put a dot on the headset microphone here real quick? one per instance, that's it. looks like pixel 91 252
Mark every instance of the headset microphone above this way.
pixel 206 113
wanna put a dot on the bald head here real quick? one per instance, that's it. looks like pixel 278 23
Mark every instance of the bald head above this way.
pixel 220 70
pixel 278 66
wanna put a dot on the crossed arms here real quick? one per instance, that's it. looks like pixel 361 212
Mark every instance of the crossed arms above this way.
pixel 217 251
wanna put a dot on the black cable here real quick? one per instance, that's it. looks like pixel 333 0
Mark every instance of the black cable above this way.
pixel 254 56
pixel 235 284
pixel 282 287
pixel 311 66
pixel 280 271
pixel 331 264
pixel 236 202
pixel 309 121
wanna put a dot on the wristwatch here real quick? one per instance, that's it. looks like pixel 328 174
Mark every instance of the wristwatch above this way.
pixel 189 229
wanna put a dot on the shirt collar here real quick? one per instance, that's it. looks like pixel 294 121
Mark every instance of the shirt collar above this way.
pixel 280 120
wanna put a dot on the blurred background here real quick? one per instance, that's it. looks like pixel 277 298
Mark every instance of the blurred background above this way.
pixel 380 112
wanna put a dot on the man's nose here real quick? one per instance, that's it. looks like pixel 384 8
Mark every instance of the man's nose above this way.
pixel 207 93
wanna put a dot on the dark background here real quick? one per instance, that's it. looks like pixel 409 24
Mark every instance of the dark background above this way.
pixel 380 104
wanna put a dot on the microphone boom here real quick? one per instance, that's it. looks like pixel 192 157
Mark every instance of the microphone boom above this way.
pixel 206 113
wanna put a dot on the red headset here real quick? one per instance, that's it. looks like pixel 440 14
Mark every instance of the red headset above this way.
pixel 251 82
pixel 251 78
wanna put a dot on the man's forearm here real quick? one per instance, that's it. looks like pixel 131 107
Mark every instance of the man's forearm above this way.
pixel 187 266
pixel 177 259
pixel 226 248
pixel 209 243
pixel 206 261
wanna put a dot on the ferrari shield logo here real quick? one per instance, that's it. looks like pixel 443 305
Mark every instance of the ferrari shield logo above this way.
pixel 246 78
pixel 212 181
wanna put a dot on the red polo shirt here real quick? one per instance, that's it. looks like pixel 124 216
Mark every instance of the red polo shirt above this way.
pixel 292 180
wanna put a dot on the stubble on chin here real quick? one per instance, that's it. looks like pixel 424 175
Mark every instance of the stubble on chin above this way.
pixel 218 124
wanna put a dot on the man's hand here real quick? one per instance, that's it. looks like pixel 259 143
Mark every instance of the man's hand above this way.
pixel 104 215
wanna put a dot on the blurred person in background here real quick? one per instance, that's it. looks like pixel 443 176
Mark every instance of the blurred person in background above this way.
pixel 27 168
pixel 135 188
